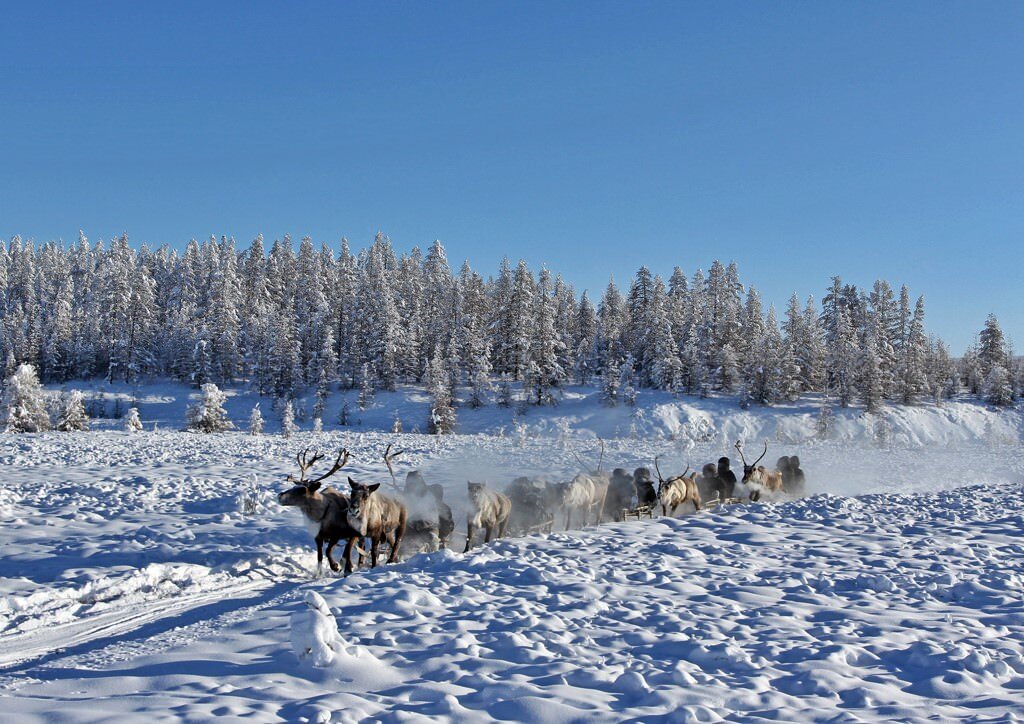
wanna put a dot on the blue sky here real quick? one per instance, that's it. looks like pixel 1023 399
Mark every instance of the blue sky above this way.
pixel 801 140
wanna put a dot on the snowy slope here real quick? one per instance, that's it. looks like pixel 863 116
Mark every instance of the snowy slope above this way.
pixel 133 585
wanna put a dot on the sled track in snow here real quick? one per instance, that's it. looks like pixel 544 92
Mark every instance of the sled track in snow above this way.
pixel 21 652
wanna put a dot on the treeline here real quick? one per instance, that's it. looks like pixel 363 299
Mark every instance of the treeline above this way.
pixel 288 321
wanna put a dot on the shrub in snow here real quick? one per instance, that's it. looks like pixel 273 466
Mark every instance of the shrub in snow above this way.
pixel 345 415
pixel 72 414
pixel 318 425
pixel 288 419
pixel 209 415
pixel 256 422
pixel 396 426
pixel 23 402
pixel 505 394
pixel 132 423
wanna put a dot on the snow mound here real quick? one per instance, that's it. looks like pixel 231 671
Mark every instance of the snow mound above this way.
pixel 315 636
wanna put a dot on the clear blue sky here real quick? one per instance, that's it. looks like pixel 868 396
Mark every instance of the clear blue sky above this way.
pixel 800 140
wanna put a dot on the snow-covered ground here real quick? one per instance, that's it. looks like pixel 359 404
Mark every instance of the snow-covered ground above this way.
pixel 134 584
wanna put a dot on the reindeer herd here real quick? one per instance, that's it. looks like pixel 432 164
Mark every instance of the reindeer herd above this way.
pixel 421 519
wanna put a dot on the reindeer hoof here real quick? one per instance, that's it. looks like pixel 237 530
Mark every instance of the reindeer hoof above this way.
pixel 335 566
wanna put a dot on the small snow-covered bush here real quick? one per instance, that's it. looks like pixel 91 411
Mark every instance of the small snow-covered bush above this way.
pixel 132 423
pixel 209 415
pixel 315 636
pixel 72 414
pixel 256 421
pixel 318 425
pixel 24 404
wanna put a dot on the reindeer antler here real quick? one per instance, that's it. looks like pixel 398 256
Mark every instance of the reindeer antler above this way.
pixel 762 454
pixel 600 460
pixel 739 449
pixel 339 463
pixel 388 459
pixel 658 470
pixel 306 462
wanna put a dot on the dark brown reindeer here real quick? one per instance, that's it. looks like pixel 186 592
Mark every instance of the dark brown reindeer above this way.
pixel 325 511
pixel 377 516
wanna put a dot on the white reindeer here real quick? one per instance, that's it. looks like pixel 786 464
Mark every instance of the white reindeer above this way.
pixel 585 493
pixel 677 490
pixel 489 509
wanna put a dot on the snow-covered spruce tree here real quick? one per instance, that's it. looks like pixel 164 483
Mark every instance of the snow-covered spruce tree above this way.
pixel 396 425
pixel 72 416
pixel 24 403
pixel 998 389
pixel 504 394
pixel 912 372
pixel 287 419
pixel 345 414
pixel 992 348
pixel 256 422
pixel 627 381
pixel 442 411
pixel 544 372
pixel 870 369
pixel 318 424
pixel 366 391
pixel 132 422
pixel 610 385
pixel 209 414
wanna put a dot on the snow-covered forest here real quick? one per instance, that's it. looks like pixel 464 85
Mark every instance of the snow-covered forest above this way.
pixel 288 321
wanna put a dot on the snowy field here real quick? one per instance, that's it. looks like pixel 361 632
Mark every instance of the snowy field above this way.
pixel 133 585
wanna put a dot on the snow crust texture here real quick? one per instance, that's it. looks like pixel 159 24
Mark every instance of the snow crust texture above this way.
pixel 151 575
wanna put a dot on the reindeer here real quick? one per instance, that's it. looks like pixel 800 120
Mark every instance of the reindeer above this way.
pixel 489 510
pixel 586 492
pixel 646 495
pixel 422 529
pixel 377 516
pixel 445 519
pixel 620 494
pixel 325 511
pixel 677 490
pixel 756 477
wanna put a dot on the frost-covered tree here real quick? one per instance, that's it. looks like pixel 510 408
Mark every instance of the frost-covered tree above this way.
pixel 209 415
pixel 24 403
pixel 256 422
pixel 72 415
pixel 442 408
pixel 998 390
pixel 288 419
pixel 132 421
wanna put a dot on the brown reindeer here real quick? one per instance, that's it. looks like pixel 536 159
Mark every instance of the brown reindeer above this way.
pixel 758 478
pixel 376 516
pixel 325 511
pixel 677 490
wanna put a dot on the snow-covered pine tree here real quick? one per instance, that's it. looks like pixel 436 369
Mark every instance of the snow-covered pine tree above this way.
pixel 912 367
pixel 132 422
pixel 627 381
pixel 870 371
pixel 998 389
pixel 288 419
pixel 843 359
pixel 366 392
pixel 545 374
pixel 442 411
pixel 992 347
pixel 610 385
pixel 209 415
pixel 256 422
pixel 585 359
pixel 24 403
pixel 72 416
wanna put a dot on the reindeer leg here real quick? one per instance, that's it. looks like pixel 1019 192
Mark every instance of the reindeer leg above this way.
pixel 504 526
pixel 348 555
pixel 374 550
pixel 330 561
pixel 396 543
pixel 470 530
pixel 488 529
pixel 319 554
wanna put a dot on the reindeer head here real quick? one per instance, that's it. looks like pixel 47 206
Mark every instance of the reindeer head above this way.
pixel 475 489
pixel 748 470
pixel 360 495
pixel 303 489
